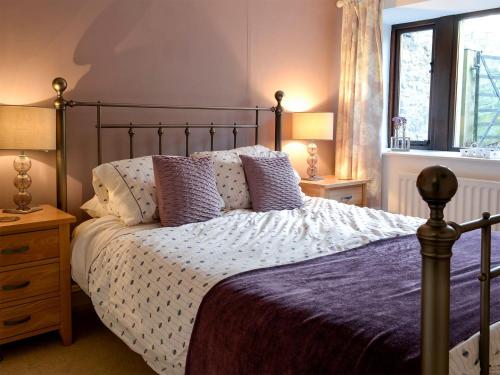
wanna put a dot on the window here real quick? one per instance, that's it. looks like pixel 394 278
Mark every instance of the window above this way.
pixel 414 91
pixel 445 79
pixel 477 107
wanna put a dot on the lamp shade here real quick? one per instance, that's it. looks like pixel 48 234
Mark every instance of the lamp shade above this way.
pixel 312 125
pixel 27 128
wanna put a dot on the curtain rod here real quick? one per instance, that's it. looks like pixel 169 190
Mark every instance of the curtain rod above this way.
pixel 340 4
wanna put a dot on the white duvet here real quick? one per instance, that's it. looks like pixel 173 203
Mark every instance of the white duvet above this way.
pixel 147 282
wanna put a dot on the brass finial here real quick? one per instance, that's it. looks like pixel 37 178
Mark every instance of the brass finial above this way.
pixel 278 95
pixel 437 185
pixel 59 85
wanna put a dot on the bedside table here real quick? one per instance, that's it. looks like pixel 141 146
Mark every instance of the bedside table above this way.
pixel 345 191
pixel 35 281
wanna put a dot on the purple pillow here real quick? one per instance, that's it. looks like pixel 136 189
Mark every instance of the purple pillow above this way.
pixel 185 189
pixel 272 183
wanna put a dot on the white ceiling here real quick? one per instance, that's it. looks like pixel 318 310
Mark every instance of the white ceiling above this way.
pixel 400 11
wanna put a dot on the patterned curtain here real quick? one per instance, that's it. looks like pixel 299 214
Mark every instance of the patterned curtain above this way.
pixel 358 143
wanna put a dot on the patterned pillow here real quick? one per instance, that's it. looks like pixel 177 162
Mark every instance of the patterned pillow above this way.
pixel 272 183
pixel 127 188
pixel 186 191
pixel 230 176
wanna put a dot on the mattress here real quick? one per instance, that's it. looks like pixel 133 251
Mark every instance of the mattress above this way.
pixel 147 282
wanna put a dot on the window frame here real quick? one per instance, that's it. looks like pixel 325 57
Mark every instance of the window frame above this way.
pixel 397 31
pixel 444 67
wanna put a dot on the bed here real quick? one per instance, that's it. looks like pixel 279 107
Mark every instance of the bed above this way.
pixel 327 288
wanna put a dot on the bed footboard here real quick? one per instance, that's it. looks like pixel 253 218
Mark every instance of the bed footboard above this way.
pixel 437 185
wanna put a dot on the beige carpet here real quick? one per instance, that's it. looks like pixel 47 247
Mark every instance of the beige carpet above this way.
pixel 95 350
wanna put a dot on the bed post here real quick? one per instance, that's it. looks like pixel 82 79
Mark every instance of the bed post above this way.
pixel 437 185
pixel 278 110
pixel 59 85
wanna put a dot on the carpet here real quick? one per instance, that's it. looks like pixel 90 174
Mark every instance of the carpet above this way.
pixel 95 350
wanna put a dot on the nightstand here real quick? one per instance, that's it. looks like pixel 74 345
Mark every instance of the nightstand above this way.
pixel 345 191
pixel 35 281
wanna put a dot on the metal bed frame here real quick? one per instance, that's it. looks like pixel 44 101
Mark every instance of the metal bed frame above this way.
pixel 61 105
pixel 437 185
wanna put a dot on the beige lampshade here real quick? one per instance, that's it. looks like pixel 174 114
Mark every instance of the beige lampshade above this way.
pixel 27 128
pixel 312 125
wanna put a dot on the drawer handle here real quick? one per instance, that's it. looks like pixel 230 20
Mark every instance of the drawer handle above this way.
pixel 9 287
pixel 347 198
pixel 15 322
pixel 16 250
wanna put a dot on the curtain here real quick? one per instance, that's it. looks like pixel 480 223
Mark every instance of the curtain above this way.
pixel 359 121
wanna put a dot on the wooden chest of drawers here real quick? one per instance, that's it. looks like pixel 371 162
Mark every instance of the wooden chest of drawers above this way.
pixel 35 281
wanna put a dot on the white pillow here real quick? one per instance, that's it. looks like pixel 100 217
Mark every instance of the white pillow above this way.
pixel 250 150
pixel 94 207
pixel 128 188
pixel 230 176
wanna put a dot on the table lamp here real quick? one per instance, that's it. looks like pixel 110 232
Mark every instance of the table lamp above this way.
pixel 312 126
pixel 25 128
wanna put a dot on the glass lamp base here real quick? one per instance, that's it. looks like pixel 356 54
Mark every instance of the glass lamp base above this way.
pixel 19 211
pixel 312 161
pixel 22 182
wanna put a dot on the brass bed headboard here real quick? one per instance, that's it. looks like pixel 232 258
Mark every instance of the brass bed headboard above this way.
pixel 61 105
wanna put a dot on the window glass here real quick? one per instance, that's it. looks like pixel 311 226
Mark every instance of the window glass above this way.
pixel 477 105
pixel 415 58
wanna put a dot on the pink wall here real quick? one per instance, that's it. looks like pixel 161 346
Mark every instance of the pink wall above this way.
pixel 213 52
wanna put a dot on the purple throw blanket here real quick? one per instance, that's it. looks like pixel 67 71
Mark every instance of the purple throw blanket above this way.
pixel 356 312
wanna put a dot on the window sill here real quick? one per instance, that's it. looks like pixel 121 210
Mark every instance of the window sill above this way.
pixel 436 155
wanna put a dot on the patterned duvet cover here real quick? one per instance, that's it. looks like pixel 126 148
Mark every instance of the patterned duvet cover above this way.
pixel 147 282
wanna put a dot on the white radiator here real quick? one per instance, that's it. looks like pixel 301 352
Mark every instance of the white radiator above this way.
pixel 471 200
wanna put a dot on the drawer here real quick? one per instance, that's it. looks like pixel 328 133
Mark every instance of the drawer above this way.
pixel 29 317
pixel 28 247
pixel 349 195
pixel 27 282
